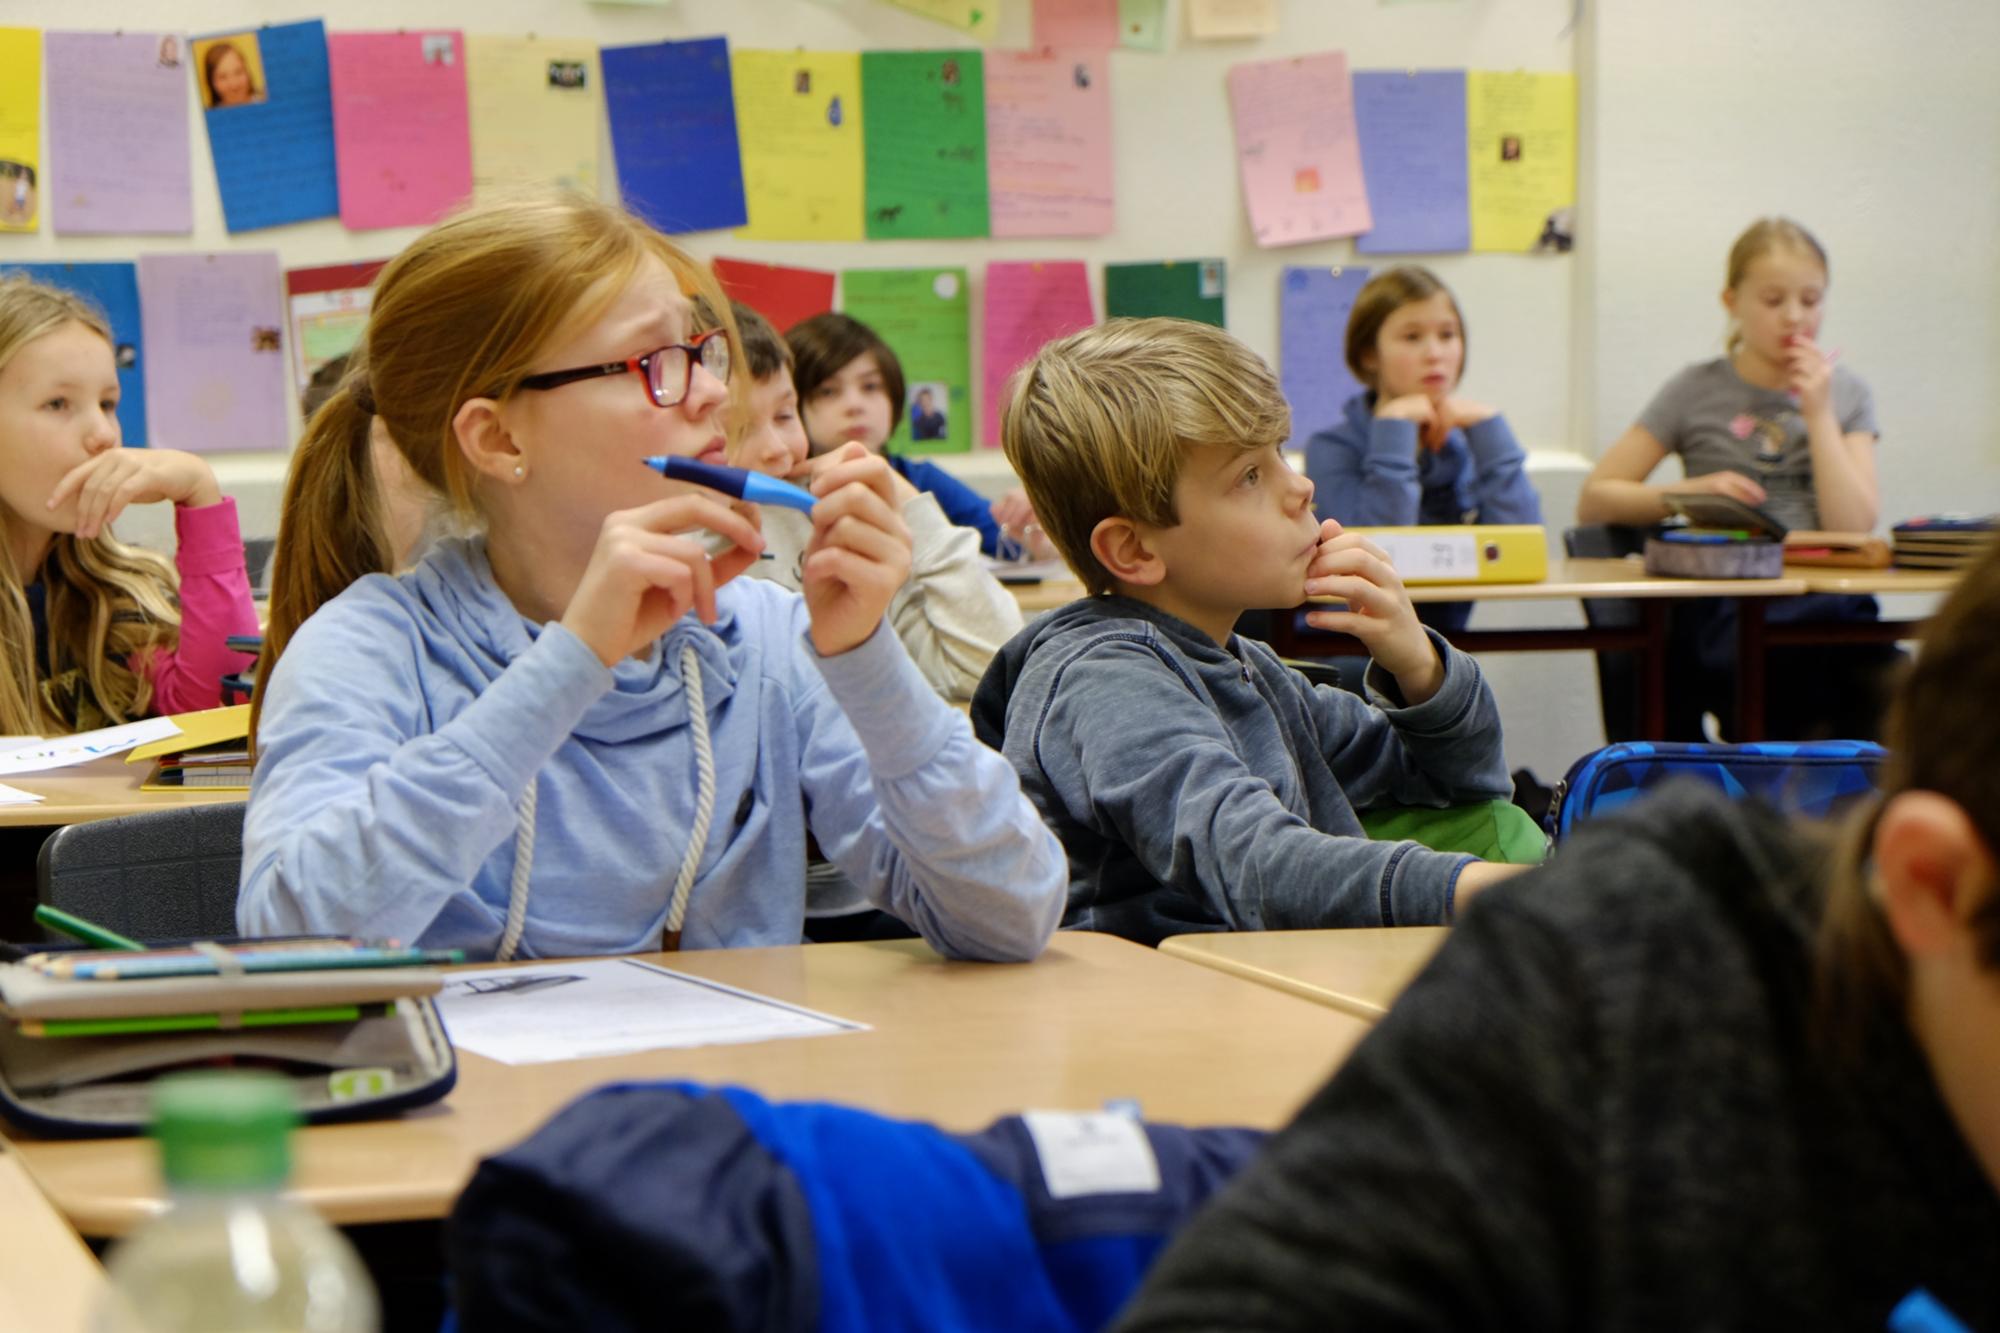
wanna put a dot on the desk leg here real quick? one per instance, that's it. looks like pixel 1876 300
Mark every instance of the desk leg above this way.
pixel 1751 649
pixel 1653 670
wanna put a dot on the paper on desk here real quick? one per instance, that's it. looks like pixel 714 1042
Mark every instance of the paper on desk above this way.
pixel 15 796
pixel 35 756
pixel 580 1010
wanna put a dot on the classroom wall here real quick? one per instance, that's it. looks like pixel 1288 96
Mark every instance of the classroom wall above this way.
pixel 1177 187
pixel 1877 126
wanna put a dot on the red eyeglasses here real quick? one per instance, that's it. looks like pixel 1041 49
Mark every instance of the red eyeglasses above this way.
pixel 668 372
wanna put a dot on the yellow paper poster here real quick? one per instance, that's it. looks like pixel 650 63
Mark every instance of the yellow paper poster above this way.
pixel 981 18
pixel 1521 137
pixel 20 128
pixel 535 106
pixel 1211 20
pixel 798 117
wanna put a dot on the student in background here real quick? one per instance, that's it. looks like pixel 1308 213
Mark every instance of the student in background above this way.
pixel 951 615
pixel 1776 424
pixel 850 388
pixel 1196 781
pixel 95 632
pixel 580 733
pixel 408 510
pixel 1407 449
pixel 1705 1070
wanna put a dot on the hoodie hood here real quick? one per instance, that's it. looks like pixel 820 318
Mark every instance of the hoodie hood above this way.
pixel 996 687
pixel 454 585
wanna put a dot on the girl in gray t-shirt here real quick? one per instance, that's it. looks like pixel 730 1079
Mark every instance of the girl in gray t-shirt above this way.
pixel 1777 424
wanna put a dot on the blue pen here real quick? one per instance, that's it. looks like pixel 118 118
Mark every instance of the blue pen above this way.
pixel 1921 1312
pixel 744 485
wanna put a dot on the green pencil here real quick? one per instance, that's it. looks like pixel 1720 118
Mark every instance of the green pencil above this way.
pixel 78 929
pixel 118 1027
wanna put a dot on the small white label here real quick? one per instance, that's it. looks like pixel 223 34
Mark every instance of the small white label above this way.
pixel 1093 1152
pixel 1449 556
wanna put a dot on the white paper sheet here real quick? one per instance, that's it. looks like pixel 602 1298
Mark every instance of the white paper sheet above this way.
pixel 15 796
pixel 579 1010
pixel 84 746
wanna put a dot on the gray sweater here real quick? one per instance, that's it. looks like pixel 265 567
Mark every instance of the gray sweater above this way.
pixel 1606 1105
pixel 1202 788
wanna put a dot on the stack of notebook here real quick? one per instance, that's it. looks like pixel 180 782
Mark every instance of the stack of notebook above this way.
pixel 1944 541
pixel 212 751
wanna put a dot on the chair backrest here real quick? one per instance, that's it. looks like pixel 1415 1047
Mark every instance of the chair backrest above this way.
pixel 164 875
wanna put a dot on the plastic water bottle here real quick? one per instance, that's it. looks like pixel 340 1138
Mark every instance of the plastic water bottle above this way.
pixel 230 1254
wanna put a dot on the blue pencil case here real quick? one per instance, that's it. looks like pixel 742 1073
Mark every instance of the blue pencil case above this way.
pixel 1809 778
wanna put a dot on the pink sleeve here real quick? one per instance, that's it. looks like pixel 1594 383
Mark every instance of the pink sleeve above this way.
pixel 215 603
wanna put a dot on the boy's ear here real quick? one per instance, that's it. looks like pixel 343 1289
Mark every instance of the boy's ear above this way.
pixel 485 441
pixel 1932 869
pixel 1125 553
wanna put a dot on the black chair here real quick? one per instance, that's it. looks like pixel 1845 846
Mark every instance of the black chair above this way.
pixel 164 875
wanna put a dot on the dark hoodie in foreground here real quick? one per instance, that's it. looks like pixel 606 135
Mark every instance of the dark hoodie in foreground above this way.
pixel 1200 788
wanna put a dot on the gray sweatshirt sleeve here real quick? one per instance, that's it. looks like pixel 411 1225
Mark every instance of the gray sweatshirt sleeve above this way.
pixel 1131 752
pixel 1443 751
pixel 930 823
pixel 351 786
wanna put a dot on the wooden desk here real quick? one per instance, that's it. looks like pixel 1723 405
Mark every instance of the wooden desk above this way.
pixel 100 789
pixel 49 1281
pixel 1568 580
pixel 1884 581
pixel 956 1043
pixel 1046 595
pixel 1360 972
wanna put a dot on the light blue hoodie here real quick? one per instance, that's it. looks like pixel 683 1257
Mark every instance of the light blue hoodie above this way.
pixel 407 718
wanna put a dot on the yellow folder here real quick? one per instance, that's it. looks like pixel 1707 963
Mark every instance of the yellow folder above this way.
pixel 199 731
pixel 1473 553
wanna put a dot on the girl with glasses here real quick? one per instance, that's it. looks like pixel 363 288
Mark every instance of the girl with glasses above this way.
pixel 579 732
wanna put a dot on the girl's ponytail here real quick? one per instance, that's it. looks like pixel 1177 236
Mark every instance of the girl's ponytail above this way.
pixel 330 525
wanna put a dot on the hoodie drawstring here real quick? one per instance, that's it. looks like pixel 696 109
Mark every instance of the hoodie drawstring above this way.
pixel 704 812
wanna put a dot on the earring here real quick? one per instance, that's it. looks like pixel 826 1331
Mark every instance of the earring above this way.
pixel 519 472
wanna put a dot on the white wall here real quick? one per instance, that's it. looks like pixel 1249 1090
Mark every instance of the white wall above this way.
pixel 1177 187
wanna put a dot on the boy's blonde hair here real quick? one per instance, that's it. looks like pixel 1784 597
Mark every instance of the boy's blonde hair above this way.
pixel 462 313
pixel 107 605
pixel 1759 239
pixel 1099 424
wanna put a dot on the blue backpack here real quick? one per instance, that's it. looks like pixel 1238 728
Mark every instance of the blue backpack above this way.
pixel 673 1205
pixel 1809 778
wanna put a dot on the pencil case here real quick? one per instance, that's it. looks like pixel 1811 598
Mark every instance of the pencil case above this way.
pixel 1692 553
pixel 392 1057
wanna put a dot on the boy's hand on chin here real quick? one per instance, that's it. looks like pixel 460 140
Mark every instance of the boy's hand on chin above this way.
pixel 1378 613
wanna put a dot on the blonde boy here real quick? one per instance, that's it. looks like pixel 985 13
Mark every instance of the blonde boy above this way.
pixel 1196 782
pixel 951 615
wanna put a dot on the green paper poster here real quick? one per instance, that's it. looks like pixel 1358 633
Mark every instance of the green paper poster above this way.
pixel 1142 24
pixel 1185 289
pixel 924 314
pixel 925 148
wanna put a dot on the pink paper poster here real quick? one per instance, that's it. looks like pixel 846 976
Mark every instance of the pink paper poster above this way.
pixel 1300 155
pixel 1048 142
pixel 1026 305
pixel 1088 25
pixel 399 126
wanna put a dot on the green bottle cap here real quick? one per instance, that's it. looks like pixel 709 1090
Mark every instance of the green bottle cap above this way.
pixel 224 1129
